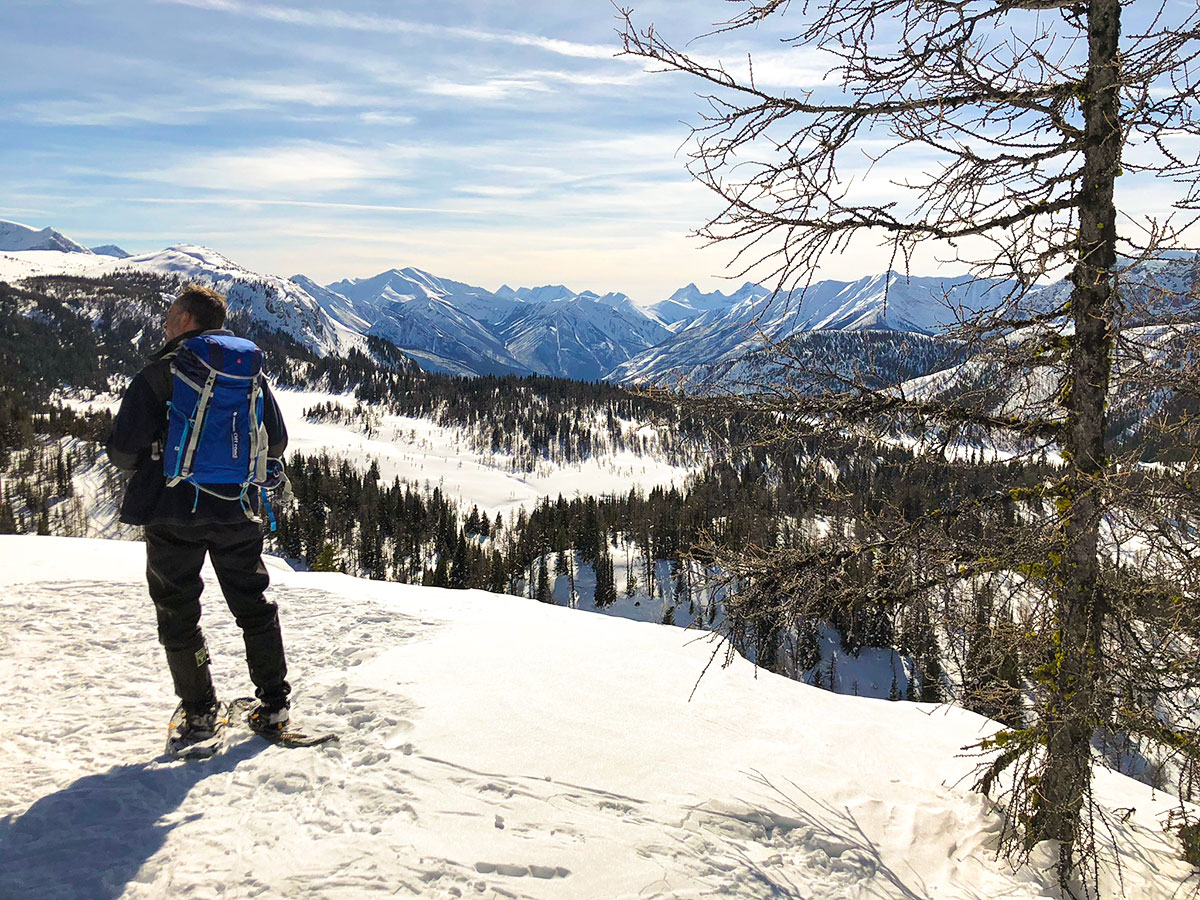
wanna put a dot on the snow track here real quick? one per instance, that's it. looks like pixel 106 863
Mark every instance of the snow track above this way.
pixel 491 747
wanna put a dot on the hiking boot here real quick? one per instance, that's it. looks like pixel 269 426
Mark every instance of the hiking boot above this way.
pixel 269 716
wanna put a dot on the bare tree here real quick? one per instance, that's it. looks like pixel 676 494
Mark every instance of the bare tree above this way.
pixel 1015 119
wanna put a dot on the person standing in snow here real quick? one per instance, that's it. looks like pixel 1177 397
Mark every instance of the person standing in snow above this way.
pixel 183 524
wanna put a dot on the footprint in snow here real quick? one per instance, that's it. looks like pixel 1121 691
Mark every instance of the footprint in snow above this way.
pixel 514 871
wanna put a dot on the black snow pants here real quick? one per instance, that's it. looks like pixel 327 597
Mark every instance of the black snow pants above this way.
pixel 174 557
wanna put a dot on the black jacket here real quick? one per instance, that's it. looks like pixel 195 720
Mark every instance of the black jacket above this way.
pixel 141 422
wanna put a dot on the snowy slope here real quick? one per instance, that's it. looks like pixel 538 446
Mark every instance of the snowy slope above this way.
pixel 424 454
pixel 492 747
pixel 15 236
pixel 18 264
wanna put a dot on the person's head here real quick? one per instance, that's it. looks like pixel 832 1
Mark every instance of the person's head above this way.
pixel 196 308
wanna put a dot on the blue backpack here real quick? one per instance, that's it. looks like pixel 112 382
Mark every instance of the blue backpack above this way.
pixel 216 439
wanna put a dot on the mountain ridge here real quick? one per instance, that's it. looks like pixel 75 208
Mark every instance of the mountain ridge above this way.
pixel 451 326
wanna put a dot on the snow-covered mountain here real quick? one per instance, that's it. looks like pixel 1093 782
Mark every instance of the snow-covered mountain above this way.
pixel 491 746
pixel 402 286
pixel 582 337
pixel 441 337
pixel 451 326
pixel 722 331
pixel 111 250
pixel 692 336
pixel 444 325
pixel 689 303
pixel 14 237
pixel 338 307
pixel 275 302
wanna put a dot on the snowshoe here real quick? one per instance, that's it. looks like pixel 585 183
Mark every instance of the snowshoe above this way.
pixel 269 718
pixel 196 733
pixel 273 723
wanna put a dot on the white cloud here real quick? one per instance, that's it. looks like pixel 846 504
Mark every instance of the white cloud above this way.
pixel 112 111
pixel 528 81
pixel 209 98
pixel 315 167
pixel 801 68
pixel 306 93
pixel 334 18
pixel 249 202
pixel 591 79
pixel 494 190
pixel 491 89
pixel 385 118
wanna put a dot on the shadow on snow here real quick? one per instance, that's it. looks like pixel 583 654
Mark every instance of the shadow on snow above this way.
pixel 89 839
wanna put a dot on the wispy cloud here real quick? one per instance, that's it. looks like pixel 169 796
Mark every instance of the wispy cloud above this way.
pixel 309 166
pixel 494 190
pixel 490 89
pixel 355 21
pixel 513 83
pixel 251 201
pixel 111 111
pixel 287 93
pixel 386 118
pixel 200 101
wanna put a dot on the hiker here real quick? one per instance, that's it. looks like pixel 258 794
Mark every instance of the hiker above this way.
pixel 185 519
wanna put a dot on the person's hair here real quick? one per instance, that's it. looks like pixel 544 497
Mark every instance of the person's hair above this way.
pixel 204 305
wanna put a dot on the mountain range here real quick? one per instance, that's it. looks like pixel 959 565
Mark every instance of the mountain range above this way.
pixel 449 326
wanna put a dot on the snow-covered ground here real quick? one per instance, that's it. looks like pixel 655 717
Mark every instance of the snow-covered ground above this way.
pixel 423 453
pixel 492 747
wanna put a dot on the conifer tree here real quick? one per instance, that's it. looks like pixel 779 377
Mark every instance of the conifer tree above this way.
pixel 606 588
pixel 544 594
pixel 8 522
pixel 460 566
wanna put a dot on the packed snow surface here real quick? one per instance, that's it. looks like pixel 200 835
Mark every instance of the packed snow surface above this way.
pixel 491 747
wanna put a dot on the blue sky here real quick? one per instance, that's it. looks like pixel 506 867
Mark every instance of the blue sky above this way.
pixel 486 141
pixel 489 141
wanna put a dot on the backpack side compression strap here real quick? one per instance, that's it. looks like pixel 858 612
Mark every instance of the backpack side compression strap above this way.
pixel 258 435
pixel 193 427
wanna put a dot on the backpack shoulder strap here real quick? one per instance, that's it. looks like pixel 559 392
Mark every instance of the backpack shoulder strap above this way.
pixel 160 378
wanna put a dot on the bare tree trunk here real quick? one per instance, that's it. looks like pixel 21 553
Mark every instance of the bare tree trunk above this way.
pixel 1072 705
